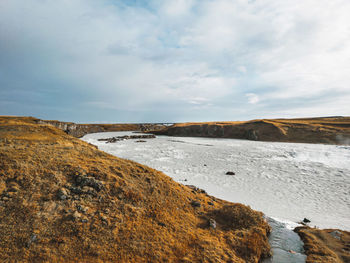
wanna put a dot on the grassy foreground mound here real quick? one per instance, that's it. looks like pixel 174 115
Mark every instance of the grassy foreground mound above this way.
pixel 63 200
pixel 331 130
pixel 326 245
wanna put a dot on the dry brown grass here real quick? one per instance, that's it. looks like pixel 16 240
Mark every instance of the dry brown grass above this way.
pixel 323 247
pixel 335 130
pixel 123 212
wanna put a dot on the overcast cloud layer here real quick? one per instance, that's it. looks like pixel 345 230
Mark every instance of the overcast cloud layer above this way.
pixel 185 60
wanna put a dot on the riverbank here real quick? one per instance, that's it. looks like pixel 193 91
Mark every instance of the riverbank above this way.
pixel 330 130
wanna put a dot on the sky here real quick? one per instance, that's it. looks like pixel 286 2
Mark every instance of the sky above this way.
pixel 174 61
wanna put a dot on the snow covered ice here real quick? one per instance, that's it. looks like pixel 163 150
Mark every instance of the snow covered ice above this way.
pixel 288 181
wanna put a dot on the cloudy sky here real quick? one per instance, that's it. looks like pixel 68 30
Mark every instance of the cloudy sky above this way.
pixel 173 61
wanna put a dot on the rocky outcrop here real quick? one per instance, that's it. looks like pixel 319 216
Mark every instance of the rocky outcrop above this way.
pixel 127 137
pixel 335 130
pixel 79 130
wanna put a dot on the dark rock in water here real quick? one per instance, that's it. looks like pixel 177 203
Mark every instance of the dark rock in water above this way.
pixel 128 137
pixel 230 173
pixel 140 141
pixel 306 221
pixel 195 203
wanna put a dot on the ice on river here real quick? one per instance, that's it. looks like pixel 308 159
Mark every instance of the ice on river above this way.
pixel 288 181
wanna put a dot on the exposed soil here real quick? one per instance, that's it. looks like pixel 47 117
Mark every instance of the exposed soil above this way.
pixel 63 200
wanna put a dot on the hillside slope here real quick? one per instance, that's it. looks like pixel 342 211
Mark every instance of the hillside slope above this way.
pixel 332 130
pixel 62 199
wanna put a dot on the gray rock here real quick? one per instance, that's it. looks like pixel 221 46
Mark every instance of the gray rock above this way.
pixel 195 203
pixel 32 239
pixel 104 219
pixel 62 194
pixel 252 135
pixel 82 181
pixel 83 209
pixel 212 223
pixel 336 234
pixel 76 190
pixel 76 215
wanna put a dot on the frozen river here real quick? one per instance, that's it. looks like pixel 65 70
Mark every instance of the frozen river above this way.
pixel 287 181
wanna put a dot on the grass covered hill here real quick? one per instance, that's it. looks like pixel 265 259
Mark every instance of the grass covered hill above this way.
pixel 329 130
pixel 63 200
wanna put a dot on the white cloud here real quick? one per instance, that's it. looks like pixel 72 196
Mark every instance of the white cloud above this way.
pixel 242 69
pixel 252 98
pixel 182 52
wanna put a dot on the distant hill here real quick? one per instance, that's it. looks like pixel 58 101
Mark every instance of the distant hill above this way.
pixel 328 130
